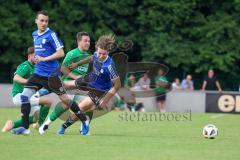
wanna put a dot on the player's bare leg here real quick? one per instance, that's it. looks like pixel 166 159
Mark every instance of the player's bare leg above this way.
pixel 8 126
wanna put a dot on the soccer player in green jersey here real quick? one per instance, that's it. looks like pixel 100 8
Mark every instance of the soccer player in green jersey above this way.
pixel 23 72
pixel 79 53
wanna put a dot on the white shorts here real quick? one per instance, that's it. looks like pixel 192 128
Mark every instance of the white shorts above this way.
pixel 34 101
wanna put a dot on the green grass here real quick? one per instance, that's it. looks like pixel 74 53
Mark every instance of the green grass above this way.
pixel 114 138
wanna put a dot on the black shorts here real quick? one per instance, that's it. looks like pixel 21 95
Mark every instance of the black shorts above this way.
pixel 52 84
pixel 82 83
pixel 96 95
pixel 161 97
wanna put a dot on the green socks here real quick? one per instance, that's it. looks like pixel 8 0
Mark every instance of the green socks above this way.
pixel 44 110
pixel 58 111
pixel 90 115
pixel 18 123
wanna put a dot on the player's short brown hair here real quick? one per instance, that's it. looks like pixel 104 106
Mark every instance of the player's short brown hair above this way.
pixel 105 41
pixel 43 12
pixel 30 50
pixel 80 35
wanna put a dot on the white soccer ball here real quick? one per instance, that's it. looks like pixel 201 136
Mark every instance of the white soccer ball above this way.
pixel 210 131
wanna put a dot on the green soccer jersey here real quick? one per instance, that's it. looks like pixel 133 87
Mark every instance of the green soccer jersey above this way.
pixel 162 80
pixel 74 56
pixel 24 70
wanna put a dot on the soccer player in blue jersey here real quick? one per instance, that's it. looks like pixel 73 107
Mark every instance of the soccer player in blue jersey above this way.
pixel 102 81
pixel 48 48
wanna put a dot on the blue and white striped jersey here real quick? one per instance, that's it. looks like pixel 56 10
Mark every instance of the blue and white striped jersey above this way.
pixel 46 44
pixel 104 72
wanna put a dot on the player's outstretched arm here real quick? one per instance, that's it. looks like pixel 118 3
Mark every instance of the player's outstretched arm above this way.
pixel 67 72
pixel 57 55
pixel 81 62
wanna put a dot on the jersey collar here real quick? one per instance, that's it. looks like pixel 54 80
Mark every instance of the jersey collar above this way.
pixel 39 34
pixel 30 63
pixel 105 60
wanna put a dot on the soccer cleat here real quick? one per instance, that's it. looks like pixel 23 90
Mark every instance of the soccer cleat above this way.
pixel 20 130
pixel 61 130
pixel 43 128
pixel 85 128
pixel 8 126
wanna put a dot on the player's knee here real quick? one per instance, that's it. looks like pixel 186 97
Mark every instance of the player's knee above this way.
pixel 24 99
pixel 65 99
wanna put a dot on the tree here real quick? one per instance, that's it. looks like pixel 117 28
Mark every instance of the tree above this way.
pixel 15 35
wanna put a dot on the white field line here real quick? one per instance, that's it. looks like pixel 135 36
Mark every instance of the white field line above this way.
pixel 217 116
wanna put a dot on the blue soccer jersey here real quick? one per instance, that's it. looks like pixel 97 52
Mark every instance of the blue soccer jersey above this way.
pixel 46 44
pixel 104 72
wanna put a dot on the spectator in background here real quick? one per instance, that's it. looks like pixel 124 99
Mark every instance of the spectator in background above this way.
pixel 131 81
pixel 187 84
pixel 210 82
pixel 176 85
pixel 120 105
pixel 143 83
pixel 133 105
pixel 161 86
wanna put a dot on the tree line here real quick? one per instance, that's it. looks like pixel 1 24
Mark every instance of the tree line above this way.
pixel 189 36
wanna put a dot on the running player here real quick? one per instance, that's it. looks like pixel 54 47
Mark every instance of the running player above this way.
pixel 21 75
pixel 102 82
pixel 79 53
pixel 48 49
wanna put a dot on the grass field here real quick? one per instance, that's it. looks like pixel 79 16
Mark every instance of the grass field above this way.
pixel 113 137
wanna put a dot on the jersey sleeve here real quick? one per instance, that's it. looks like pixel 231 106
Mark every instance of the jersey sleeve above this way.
pixel 68 59
pixel 22 70
pixel 55 42
pixel 113 71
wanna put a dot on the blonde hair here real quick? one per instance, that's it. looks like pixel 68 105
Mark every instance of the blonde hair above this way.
pixel 105 41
